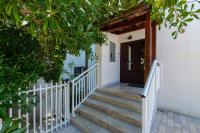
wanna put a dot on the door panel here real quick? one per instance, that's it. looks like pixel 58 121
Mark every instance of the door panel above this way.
pixel 132 62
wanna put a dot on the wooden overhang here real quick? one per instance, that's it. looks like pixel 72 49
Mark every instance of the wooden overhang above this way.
pixel 128 21
pixel 132 20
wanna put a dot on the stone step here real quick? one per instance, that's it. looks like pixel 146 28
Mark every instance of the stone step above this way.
pixel 114 111
pixel 120 94
pixel 122 103
pixel 106 121
pixel 69 129
pixel 86 126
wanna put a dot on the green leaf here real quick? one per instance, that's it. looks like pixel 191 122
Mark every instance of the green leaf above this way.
pixel 21 130
pixel 45 26
pixel 173 33
pixel 9 7
pixel 188 20
pixel 16 15
pixel 196 16
pixel 197 11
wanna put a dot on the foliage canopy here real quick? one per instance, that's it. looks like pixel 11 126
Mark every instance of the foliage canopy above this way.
pixel 45 30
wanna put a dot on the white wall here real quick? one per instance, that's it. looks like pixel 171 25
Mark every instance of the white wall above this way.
pixel 136 35
pixel 180 60
pixel 110 71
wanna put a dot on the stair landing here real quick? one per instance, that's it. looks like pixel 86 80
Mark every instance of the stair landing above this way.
pixel 124 88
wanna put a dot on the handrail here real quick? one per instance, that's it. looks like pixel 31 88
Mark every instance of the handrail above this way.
pixel 82 74
pixel 149 78
pixel 83 86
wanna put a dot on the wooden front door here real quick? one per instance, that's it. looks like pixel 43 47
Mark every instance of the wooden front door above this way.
pixel 132 62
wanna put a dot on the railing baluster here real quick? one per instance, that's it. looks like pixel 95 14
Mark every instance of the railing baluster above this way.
pixel 65 103
pixel 91 81
pixel 46 101
pixel 40 89
pixel 56 107
pixel 27 115
pixel 89 78
pixel 79 88
pixel 87 85
pixel 34 110
pixel 68 102
pixel 93 84
pixel 82 89
pixel 19 110
pixel 84 86
pixel 1 123
pixel 73 99
pixel 51 88
pixel 60 105
pixel 76 93
pixel 10 111
pixel 98 76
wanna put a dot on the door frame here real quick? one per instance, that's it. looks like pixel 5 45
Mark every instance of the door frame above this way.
pixel 128 43
pixel 150 45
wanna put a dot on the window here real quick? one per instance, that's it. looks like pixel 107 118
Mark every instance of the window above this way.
pixel 112 51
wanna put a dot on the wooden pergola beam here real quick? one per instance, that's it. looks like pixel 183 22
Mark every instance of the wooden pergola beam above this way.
pixel 129 29
pixel 135 14
pixel 154 41
pixel 124 23
pixel 148 46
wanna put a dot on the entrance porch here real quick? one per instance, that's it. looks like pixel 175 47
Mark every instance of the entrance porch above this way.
pixel 125 88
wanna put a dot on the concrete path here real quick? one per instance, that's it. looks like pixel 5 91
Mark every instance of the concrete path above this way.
pixel 169 122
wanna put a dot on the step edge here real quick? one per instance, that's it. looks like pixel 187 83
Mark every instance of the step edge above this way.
pixel 135 97
pixel 79 126
pixel 109 100
pixel 97 121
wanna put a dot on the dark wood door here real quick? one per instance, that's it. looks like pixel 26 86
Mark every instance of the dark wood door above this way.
pixel 132 62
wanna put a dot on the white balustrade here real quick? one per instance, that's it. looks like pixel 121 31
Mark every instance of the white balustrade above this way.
pixel 150 96
pixel 50 112
pixel 84 85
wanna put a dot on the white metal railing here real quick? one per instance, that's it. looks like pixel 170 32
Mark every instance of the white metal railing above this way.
pixel 149 97
pixel 84 85
pixel 52 110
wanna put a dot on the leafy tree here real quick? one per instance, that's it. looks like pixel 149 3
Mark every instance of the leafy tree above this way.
pixel 57 27
pixel 175 13
pixel 21 63
pixel 70 26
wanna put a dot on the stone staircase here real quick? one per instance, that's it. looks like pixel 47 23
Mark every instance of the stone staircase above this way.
pixel 108 111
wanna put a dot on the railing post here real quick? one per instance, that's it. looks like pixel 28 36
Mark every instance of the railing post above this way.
pixel 34 110
pixel 40 90
pixel 19 110
pixel 68 102
pixel 98 76
pixel 72 83
pixel 1 123
pixel 144 116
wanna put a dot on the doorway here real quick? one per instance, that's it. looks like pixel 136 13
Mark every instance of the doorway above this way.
pixel 132 62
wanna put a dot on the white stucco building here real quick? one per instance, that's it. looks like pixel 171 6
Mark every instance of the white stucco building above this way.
pixel 180 59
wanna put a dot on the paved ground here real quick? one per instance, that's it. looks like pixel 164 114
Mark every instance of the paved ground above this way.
pixel 169 122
